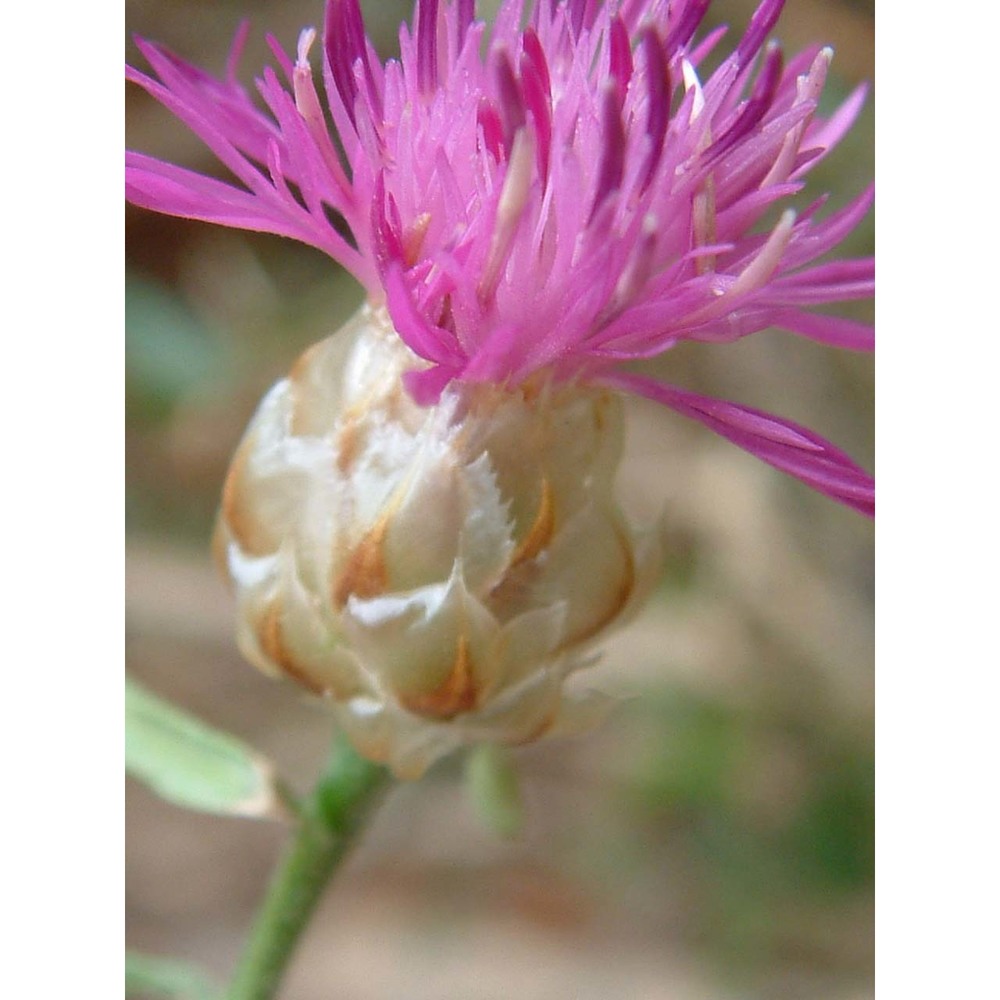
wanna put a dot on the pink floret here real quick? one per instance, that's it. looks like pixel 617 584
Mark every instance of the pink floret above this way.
pixel 570 198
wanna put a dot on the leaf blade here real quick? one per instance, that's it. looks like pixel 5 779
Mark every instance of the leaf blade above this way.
pixel 193 765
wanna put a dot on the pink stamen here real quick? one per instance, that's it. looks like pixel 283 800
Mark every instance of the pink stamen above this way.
pixel 488 120
pixel 581 15
pixel 536 99
pixel 763 20
pixel 307 102
pixel 638 271
pixel 345 43
pixel 621 56
pixel 535 54
pixel 510 208
pixel 659 88
pixel 385 226
pixel 680 34
pixel 754 110
pixel 763 266
pixel 808 88
pixel 511 98
pixel 427 45
pixel 464 16
pixel 609 177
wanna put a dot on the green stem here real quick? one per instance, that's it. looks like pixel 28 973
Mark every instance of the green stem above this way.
pixel 329 818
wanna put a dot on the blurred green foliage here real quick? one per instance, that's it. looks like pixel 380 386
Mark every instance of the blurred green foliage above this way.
pixel 169 353
pixel 760 850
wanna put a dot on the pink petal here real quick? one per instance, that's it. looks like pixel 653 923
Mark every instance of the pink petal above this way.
pixel 781 443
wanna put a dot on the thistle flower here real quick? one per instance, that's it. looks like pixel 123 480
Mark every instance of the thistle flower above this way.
pixel 420 520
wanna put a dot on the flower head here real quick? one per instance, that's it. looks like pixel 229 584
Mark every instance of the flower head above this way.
pixel 437 571
pixel 564 199
pixel 420 521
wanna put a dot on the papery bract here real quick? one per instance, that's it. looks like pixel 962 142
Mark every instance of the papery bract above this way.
pixel 437 571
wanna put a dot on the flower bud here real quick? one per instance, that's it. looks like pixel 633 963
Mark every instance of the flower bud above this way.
pixel 437 572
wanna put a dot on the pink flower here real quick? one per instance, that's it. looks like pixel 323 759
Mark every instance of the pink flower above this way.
pixel 574 199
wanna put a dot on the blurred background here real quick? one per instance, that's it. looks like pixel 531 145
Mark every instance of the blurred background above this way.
pixel 714 839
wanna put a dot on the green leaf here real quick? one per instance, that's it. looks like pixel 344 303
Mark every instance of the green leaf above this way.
pixel 192 765
pixel 166 978
pixel 494 790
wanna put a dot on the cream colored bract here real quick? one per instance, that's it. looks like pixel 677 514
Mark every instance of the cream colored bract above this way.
pixel 437 572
